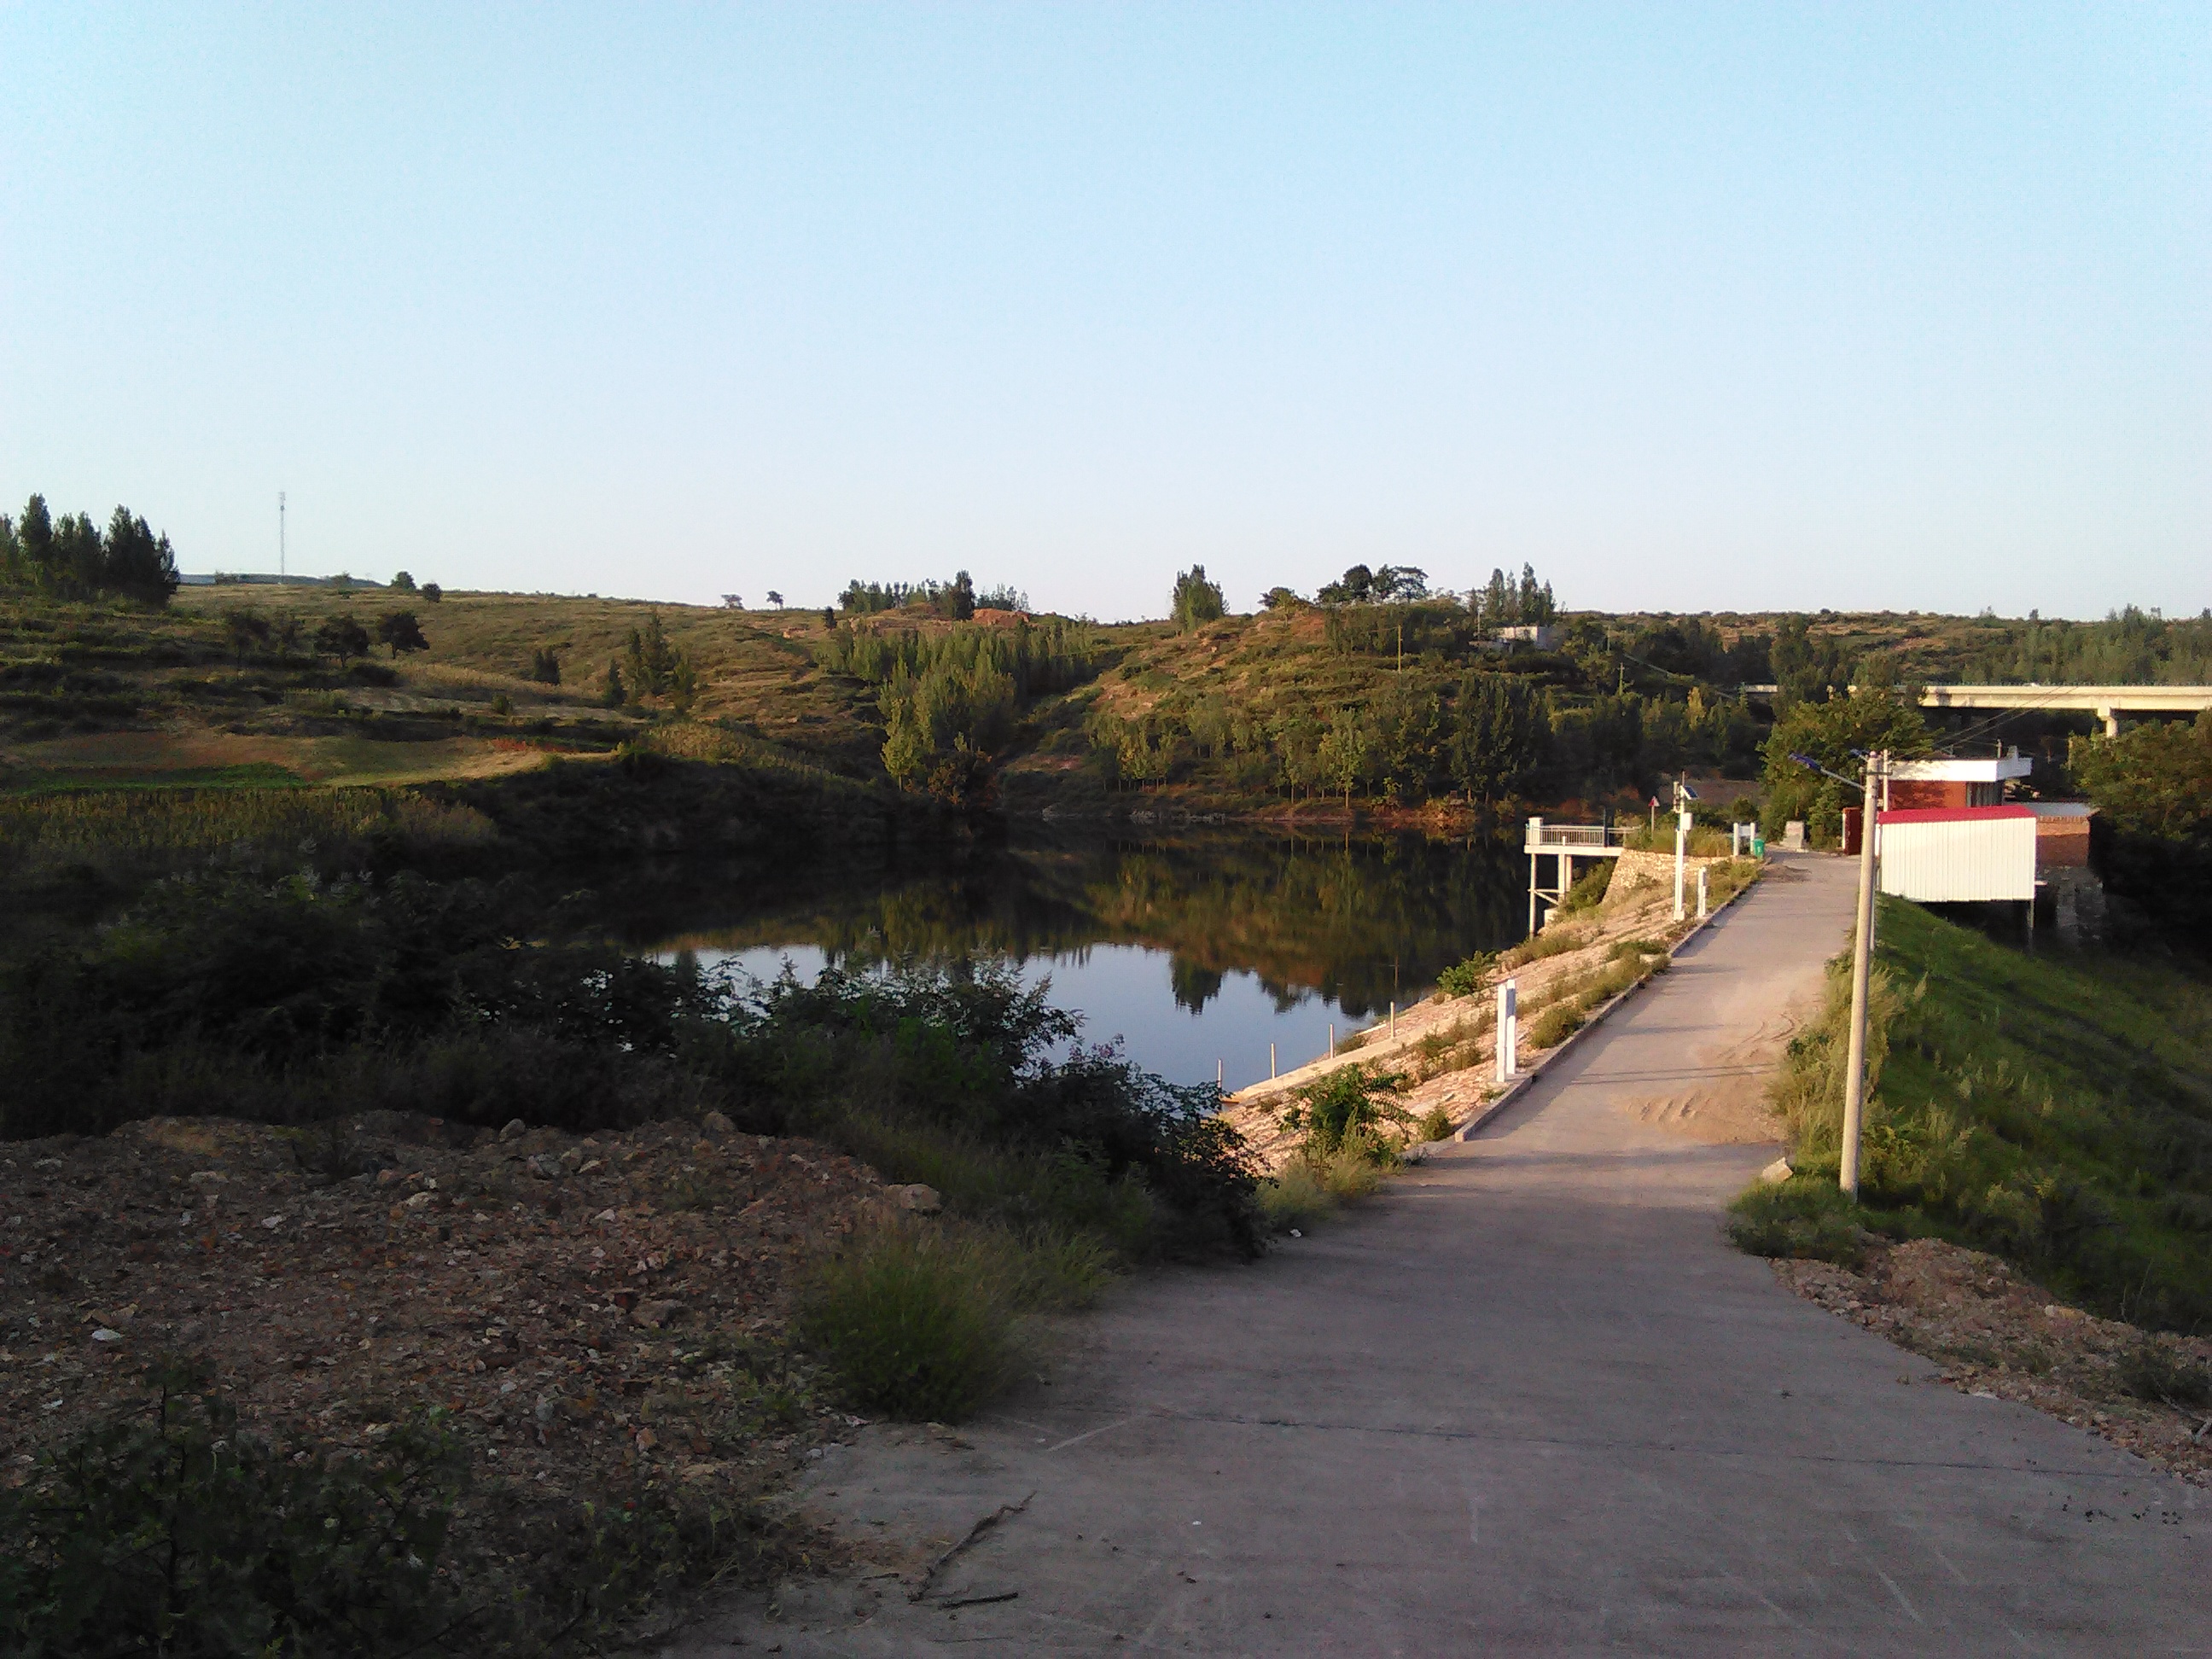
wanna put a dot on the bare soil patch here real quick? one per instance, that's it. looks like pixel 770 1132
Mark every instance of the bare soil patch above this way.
pixel 594 1313
pixel 1997 1333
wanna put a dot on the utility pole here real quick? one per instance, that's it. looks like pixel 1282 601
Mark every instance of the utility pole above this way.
pixel 1877 771
pixel 1683 796
pixel 280 537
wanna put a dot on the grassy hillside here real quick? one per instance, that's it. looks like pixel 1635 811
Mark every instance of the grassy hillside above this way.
pixel 2055 1108
pixel 1402 705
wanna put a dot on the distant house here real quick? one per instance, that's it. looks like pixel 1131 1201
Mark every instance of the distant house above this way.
pixel 1934 785
pixel 1542 635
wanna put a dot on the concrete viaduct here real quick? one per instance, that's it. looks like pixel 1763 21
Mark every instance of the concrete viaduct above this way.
pixel 2106 703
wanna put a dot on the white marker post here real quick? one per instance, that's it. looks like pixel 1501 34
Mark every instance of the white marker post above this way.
pixel 1701 895
pixel 1509 1024
pixel 1271 1062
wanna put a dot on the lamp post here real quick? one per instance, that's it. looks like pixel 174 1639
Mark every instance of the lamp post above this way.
pixel 1877 769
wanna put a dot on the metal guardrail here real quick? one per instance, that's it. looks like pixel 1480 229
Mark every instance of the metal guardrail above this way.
pixel 1567 837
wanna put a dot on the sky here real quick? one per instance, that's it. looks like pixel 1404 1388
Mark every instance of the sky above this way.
pixel 1693 308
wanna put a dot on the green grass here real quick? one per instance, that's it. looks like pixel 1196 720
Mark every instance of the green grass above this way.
pixel 1315 1185
pixel 2053 1108
pixel 920 1319
pixel 1803 1215
pixel 93 825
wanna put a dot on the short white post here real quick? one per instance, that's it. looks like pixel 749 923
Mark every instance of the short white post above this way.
pixel 1217 1064
pixel 1735 841
pixel 1393 1022
pixel 1701 895
pixel 1509 1023
pixel 1271 1062
pixel 1331 1055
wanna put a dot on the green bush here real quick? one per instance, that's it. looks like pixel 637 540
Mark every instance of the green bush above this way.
pixel 1435 1124
pixel 2153 1371
pixel 1555 1025
pixel 1804 1216
pixel 919 1324
pixel 1549 943
pixel 1295 1197
pixel 1351 1109
pixel 1589 888
pixel 176 1532
pixel 1464 979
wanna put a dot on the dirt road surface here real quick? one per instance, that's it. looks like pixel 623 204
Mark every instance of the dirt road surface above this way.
pixel 1528 1402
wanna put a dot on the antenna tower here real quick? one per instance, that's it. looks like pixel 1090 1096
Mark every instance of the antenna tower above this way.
pixel 280 535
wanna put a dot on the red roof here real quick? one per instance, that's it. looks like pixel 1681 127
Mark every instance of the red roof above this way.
pixel 1953 814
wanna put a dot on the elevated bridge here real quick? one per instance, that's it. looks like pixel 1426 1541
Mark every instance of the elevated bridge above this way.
pixel 2106 703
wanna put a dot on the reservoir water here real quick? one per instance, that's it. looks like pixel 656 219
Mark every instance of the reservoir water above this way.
pixel 1192 952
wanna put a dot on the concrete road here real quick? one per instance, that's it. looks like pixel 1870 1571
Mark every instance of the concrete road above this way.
pixel 1528 1402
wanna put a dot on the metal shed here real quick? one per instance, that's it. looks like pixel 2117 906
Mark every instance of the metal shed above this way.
pixel 1958 855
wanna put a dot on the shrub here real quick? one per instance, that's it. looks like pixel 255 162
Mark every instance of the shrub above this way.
pixel 919 1324
pixel 177 1533
pixel 1435 1124
pixel 1295 1197
pixel 1804 1216
pixel 1549 943
pixel 1350 1109
pixel 1464 979
pixel 2155 1372
pixel 1555 1025
pixel 1589 889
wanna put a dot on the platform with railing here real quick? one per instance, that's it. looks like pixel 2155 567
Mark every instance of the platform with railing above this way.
pixel 1598 840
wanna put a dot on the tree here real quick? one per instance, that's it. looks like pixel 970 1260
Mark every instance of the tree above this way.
pixel 1197 601
pixel 1834 734
pixel 342 637
pixel 654 665
pixel 1344 752
pixel 829 617
pixel 1355 586
pixel 2153 786
pixel 399 630
pixel 612 692
pixel 545 665
pixel 433 592
pixel 776 598
pixel 1500 732
pixel 34 539
pixel 403 583
pixel 1279 598
pixel 247 628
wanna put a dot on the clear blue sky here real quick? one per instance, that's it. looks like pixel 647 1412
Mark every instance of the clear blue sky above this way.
pixel 1692 307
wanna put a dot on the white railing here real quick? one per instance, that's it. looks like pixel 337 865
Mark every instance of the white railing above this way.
pixel 1542 837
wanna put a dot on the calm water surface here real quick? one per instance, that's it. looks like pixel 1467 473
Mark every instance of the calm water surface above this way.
pixel 1192 953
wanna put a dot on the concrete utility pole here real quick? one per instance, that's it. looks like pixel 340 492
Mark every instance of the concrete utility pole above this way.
pixel 1877 769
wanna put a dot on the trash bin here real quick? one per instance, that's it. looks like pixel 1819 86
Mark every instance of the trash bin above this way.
pixel 1758 845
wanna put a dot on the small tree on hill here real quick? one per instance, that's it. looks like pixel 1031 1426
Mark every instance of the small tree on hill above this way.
pixel 403 583
pixel 433 592
pixel 247 628
pixel 1197 601
pixel 545 665
pixel 399 630
pixel 342 637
